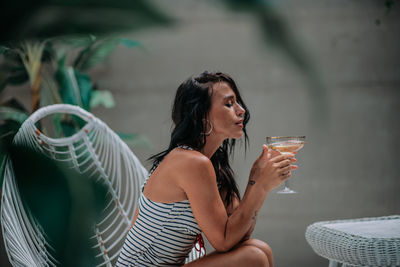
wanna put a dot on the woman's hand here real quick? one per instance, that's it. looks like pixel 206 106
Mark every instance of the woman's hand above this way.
pixel 271 168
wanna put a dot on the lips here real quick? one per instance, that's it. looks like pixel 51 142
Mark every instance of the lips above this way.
pixel 239 123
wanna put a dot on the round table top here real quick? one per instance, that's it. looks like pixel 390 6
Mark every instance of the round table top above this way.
pixel 369 229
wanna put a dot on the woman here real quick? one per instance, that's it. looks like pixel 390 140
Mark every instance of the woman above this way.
pixel 191 190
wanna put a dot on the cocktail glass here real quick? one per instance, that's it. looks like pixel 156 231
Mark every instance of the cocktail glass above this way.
pixel 286 145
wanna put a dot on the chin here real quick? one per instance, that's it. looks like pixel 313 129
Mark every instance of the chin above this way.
pixel 238 136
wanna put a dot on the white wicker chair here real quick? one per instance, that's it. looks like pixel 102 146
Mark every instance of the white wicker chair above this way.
pixel 357 242
pixel 110 161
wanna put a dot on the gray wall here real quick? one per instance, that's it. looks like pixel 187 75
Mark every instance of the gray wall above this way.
pixel 348 166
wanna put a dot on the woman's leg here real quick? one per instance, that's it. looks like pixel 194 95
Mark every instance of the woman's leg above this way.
pixel 249 253
pixel 263 246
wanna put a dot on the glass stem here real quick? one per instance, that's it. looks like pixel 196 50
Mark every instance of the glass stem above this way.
pixel 287 184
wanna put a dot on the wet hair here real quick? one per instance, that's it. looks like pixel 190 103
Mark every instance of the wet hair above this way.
pixel 189 112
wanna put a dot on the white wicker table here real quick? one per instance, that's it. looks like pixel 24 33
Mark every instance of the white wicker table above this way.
pixel 358 242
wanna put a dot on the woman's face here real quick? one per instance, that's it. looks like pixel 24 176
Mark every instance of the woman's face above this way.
pixel 226 115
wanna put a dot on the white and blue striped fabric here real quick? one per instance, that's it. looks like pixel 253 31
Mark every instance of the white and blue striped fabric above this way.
pixel 163 234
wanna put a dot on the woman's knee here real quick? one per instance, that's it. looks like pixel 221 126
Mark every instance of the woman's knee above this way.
pixel 259 244
pixel 255 256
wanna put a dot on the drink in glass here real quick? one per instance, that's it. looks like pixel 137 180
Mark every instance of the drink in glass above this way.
pixel 286 145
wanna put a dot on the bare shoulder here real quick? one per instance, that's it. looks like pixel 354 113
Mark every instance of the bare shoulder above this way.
pixel 188 158
pixel 190 163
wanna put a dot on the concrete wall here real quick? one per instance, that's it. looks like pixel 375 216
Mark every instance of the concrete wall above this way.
pixel 348 168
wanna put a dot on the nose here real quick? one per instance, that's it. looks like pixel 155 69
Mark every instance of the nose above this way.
pixel 240 110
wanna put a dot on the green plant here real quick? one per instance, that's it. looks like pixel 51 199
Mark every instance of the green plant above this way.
pixel 57 72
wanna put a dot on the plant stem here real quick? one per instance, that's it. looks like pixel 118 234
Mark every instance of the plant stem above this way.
pixel 36 90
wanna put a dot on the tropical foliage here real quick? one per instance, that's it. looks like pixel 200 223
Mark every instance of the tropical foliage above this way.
pixel 57 72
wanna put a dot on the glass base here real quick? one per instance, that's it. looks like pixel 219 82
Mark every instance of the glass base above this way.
pixel 286 190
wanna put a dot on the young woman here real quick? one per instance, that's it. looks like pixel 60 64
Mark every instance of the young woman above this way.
pixel 191 188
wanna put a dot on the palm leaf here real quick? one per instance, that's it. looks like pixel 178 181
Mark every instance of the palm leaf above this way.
pixel 8 113
pixel 71 17
pixel 31 55
pixel 77 41
pixel 12 70
pixel 3 49
pixel 75 87
pixel 102 97
pixel 92 55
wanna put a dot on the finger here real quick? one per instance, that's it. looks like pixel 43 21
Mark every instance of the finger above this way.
pixel 270 153
pixel 284 163
pixel 286 176
pixel 274 153
pixel 265 148
pixel 265 152
pixel 281 157
pixel 285 170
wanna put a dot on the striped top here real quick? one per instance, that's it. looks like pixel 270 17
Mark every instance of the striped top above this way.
pixel 163 234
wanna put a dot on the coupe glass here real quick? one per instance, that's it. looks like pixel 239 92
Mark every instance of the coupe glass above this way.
pixel 286 145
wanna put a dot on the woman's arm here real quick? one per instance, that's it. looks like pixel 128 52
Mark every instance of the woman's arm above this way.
pixel 231 208
pixel 199 183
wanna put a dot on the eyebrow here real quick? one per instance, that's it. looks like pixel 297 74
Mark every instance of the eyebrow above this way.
pixel 229 97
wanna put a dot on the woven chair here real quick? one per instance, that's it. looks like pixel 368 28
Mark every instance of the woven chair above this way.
pixel 110 161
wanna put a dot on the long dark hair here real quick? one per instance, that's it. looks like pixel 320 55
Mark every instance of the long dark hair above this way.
pixel 190 109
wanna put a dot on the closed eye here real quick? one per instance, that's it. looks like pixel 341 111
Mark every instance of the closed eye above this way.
pixel 230 101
